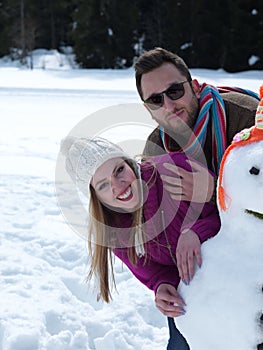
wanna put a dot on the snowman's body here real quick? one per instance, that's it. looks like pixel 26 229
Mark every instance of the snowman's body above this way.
pixel 224 299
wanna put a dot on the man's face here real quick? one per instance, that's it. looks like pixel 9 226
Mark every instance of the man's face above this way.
pixel 176 116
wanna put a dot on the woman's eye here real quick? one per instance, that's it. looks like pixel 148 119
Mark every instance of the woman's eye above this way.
pixel 254 171
pixel 119 170
pixel 102 186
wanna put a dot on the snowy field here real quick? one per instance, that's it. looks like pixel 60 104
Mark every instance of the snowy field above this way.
pixel 45 302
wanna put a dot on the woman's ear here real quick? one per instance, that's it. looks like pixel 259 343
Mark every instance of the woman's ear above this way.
pixel 196 87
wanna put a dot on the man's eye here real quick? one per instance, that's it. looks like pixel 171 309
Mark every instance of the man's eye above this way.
pixel 254 171
pixel 155 99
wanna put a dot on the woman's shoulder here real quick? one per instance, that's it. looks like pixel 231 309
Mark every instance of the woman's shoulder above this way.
pixel 174 158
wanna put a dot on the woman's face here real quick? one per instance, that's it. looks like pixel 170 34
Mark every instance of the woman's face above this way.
pixel 116 185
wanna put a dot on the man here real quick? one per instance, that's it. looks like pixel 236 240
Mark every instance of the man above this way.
pixel 199 120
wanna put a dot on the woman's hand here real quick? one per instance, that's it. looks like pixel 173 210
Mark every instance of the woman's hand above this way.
pixel 197 185
pixel 188 249
pixel 169 301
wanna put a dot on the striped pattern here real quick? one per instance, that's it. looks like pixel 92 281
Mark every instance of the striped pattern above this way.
pixel 259 117
pixel 223 89
pixel 211 106
pixel 259 113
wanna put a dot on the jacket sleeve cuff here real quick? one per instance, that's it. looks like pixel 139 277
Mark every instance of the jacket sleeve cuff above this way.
pixel 174 282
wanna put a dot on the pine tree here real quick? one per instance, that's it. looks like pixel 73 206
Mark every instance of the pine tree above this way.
pixel 105 33
pixel 245 35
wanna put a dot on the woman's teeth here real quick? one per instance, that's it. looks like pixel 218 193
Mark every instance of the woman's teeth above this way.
pixel 126 194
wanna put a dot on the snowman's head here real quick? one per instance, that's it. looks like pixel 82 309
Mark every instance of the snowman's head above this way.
pixel 240 182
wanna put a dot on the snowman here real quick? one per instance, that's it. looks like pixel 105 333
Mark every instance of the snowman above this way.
pixel 224 301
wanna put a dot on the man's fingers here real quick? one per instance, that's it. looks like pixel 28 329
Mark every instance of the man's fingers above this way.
pixel 197 185
pixel 173 189
pixel 195 166
pixel 178 171
pixel 178 197
pixel 176 181
pixel 172 167
pixel 184 181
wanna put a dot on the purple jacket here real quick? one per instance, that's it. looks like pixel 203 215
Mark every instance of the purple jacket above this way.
pixel 165 218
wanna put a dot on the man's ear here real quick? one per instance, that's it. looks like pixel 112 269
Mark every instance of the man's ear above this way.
pixel 196 87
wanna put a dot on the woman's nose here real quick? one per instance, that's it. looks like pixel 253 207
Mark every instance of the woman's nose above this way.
pixel 116 185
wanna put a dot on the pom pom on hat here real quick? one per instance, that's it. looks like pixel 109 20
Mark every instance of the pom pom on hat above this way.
pixel 66 144
pixel 253 134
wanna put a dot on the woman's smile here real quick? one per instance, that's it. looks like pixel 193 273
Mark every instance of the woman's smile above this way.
pixel 116 184
pixel 126 195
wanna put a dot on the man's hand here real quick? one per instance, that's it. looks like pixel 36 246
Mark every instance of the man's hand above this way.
pixel 169 301
pixel 196 186
pixel 188 249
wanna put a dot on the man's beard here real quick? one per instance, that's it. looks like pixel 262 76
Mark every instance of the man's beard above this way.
pixel 182 134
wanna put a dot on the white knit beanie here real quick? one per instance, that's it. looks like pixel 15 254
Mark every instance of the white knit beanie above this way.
pixel 84 156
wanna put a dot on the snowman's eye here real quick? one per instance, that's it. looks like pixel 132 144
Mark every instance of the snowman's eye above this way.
pixel 254 171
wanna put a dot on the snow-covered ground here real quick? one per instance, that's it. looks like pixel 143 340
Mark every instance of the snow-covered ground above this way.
pixel 45 302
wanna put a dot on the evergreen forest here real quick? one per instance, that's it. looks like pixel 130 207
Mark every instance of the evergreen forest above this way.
pixel 225 34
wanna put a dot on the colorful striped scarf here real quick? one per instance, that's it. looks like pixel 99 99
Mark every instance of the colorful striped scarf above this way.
pixel 211 106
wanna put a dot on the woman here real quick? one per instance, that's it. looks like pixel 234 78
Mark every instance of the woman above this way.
pixel 134 217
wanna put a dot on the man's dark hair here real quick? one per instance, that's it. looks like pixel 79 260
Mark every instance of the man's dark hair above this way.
pixel 152 59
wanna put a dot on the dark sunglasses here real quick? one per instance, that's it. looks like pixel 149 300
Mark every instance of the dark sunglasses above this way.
pixel 174 92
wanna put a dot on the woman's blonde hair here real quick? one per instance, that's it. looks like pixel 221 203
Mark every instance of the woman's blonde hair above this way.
pixel 101 230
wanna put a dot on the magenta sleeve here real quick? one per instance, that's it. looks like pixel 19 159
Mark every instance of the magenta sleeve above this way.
pixel 150 273
pixel 208 223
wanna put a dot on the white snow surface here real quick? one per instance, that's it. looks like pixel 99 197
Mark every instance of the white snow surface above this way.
pixel 227 290
pixel 45 301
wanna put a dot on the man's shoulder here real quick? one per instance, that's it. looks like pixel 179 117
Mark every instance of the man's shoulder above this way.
pixel 240 101
pixel 155 135
pixel 154 145
pixel 240 112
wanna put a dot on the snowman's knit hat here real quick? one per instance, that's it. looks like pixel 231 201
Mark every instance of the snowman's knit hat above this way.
pixel 244 137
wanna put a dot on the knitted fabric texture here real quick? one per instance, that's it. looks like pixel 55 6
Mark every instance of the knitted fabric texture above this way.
pixel 244 137
pixel 211 106
pixel 84 156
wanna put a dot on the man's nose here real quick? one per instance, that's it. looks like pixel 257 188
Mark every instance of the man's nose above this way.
pixel 169 104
